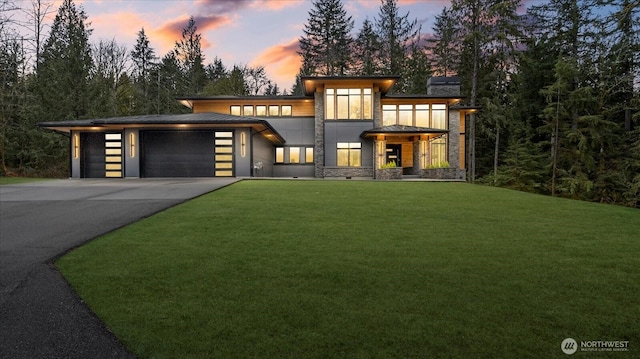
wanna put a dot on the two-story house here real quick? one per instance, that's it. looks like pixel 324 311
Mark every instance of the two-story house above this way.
pixel 340 127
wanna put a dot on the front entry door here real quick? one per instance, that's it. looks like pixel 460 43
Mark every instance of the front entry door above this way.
pixel 394 154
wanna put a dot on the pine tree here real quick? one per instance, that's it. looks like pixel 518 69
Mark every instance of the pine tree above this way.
pixel 366 51
pixel 64 71
pixel 445 50
pixel 188 51
pixel 397 34
pixel 325 47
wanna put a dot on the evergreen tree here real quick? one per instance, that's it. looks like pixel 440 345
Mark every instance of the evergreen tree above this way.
pixel 144 64
pixel 366 51
pixel 325 46
pixel 64 71
pixel 397 34
pixel 189 53
pixel 445 51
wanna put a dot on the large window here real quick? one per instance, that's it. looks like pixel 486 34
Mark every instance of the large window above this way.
pixel 349 154
pixel 415 115
pixel 438 151
pixel 438 116
pixel 348 104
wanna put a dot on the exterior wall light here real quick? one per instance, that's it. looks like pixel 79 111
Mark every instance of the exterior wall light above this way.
pixel 132 145
pixel 243 144
pixel 76 145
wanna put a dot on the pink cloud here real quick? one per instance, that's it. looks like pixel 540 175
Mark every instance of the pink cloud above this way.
pixel 275 5
pixel 171 31
pixel 281 61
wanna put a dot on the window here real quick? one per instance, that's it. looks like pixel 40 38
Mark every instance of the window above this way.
pixel 279 154
pixel 422 115
pixel 294 154
pixel 274 110
pixel 247 110
pixel 349 154
pixel 308 155
pixel 348 104
pixel 261 110
pixel 389 117
pixel 330 105
pixel 286 110
pixel 405 115
pixel 235 110
pixel 438 116
pixel 438 151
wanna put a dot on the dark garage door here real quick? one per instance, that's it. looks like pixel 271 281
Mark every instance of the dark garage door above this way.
pixel 177 153
pixel 93 155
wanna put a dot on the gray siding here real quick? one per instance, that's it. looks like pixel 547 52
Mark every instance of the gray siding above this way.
pixel 346 131
pixel 262 152
pixel 242 164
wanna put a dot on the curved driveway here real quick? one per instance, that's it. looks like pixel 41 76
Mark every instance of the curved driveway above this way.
pixel 40 315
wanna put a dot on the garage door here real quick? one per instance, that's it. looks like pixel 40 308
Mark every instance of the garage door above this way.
pixel 177 153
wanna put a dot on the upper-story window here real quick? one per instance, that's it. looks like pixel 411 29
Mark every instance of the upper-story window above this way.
pixel 349 104
pixel 422 115
pixel 261 110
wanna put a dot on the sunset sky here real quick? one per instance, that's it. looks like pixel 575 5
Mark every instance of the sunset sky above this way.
pixel 253 32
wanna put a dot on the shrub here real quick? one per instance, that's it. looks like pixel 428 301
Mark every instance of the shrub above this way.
pixel 443 164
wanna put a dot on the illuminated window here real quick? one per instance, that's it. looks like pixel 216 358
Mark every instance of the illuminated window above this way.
pixel 389 116
pixel 286 110
pixel 438 151
pixel 294 154
pixel 405 115
pixel 438 116
pixel 261 110
pixel 422 115
pixel 308 155
pixel 330 105
pixel 349 104
pixel 235 110
pixel 274 110
pixel 247 110
pixel 279 154
pixel 349 154
pixel 113 154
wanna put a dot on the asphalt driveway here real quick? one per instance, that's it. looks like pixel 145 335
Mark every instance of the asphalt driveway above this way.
pixel 40 315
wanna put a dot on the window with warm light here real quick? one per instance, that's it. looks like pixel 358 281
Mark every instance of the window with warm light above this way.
pixel 308 155
pixel 235 110
pixel 349 154
pixel 294 154
pixel 389 116
pixel 247 110
pixel 348 104
pixel 274 110
pixel 438 116
pixel 261 110
pixel 286 110
pixel 279 154
pixel 422 115
pixel 438 151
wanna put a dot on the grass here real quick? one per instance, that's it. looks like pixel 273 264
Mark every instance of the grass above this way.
pixel 324 269
pixel 18 180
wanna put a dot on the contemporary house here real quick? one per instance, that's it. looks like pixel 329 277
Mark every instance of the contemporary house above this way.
pixel 340 127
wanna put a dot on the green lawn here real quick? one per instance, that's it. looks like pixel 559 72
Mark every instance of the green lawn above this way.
pixel 350 269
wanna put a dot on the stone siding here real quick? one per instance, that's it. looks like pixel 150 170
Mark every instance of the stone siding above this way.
pixel 318 152
pixel 348 171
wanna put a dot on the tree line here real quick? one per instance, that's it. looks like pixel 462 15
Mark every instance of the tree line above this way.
pixel 559 85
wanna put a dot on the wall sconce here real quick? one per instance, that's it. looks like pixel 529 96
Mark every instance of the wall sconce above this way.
pixel 243 144
pixel 132 145
pixel 76 145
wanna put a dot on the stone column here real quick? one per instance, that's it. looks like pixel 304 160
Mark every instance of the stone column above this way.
pixel 318 153
pixel 453 139
pixel 379 155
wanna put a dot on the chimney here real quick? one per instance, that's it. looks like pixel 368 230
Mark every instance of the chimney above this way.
pixel 443 86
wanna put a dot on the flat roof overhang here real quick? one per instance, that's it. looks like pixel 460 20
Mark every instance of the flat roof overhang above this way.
pixel 178 122
pixel 403 131
pixel 309 84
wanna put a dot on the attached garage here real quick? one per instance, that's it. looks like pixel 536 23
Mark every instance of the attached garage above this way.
pixel 177 153
pixel 188 145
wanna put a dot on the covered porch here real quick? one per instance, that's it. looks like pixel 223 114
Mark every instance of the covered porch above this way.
pixel 413 152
